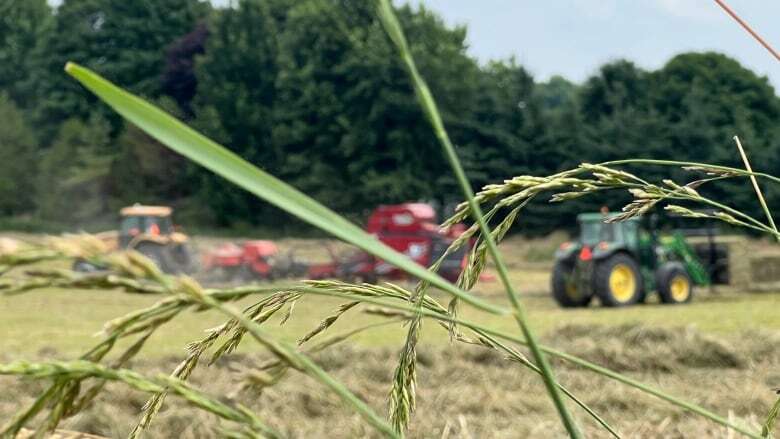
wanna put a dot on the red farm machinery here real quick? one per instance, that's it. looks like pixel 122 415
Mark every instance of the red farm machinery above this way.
pixel 409 228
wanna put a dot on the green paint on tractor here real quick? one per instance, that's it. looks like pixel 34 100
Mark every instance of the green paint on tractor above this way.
pixel 622 262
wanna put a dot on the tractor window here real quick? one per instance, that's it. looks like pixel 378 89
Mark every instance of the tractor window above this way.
pixel 591 232
pixel 159 225
pixel 131 226
pixel 630 235
pixel 155 225
pixel 609 233
pixel 594 232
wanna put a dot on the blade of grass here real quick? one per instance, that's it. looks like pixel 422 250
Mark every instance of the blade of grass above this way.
pixel 755 186
pixel 769 423
pixel 428 104
pixel 202 150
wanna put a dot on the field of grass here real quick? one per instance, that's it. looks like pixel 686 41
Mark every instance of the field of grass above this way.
pixel 67 321
pixel 719 351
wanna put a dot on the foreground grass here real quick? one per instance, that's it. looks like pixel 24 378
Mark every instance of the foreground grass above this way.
pixel 458 398
pixel 720 351
pixel 67 321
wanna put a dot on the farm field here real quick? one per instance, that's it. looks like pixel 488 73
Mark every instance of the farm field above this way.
pixel 718 351
pixel 67 321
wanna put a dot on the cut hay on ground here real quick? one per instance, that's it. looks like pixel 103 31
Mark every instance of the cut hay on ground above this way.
pixel 460 394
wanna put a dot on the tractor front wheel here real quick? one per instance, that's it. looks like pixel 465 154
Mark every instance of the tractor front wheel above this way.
pixel 156 253
pixel 564 287
pixel 180 258
pixel 674 283
pixel 617 280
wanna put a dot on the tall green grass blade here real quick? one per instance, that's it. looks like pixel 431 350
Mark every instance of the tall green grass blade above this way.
pixel 428 104
pixel 769 423
pixel 202 150
pixel 754 181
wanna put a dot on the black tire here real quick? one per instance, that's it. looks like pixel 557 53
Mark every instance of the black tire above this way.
pixel 156 253
pixel 565 291
pixel 627 286
pixel 674 284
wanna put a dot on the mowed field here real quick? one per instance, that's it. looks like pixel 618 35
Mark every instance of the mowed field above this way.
pixel 720 351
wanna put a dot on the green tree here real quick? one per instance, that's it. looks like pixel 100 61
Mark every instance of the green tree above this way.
pixel 705 100
pixel 74 174
pixel 349 127
pixel 235 100
pixel 504 124
pixel 146 172
pixel 123 40
pixel 22 25
pixel 17 161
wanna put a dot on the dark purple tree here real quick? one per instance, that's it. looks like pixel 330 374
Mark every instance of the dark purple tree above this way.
pixel 178 78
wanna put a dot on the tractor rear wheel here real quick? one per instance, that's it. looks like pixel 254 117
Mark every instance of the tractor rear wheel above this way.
pixel 564 287
pixel 617 280
pixel 674 283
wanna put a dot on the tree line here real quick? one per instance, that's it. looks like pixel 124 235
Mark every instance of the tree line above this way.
pixel 313 92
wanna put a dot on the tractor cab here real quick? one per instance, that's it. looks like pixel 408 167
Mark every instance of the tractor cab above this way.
pixel 595 232
pixel 621 262
pixel 150 231
pixel 137 220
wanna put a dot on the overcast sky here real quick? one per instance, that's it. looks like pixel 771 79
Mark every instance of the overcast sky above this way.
pixel 573 37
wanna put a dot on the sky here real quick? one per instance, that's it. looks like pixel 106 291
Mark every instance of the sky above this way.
pixel 572 38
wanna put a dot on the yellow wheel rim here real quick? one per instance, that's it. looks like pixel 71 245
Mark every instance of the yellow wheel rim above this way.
pixel 571 290
pixel 680 288
pixel 622 283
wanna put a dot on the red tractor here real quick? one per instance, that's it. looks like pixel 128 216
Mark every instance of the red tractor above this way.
pixel 409 228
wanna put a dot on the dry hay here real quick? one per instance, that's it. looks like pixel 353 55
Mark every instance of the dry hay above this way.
pixel 468 391
pixel 9 245
pixel 59 434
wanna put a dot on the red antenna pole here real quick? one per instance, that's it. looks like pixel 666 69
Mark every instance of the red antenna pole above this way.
pixel 747 27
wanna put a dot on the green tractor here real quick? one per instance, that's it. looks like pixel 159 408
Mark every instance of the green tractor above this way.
pixel 621 263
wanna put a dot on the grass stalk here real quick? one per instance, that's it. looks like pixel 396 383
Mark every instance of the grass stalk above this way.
pixel 771 418
pixel 677 163
pixel 428 104
pixel 756 187
pixel 293 357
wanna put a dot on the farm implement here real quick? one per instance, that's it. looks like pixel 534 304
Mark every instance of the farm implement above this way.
pixel 622 262
pixel 410 228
